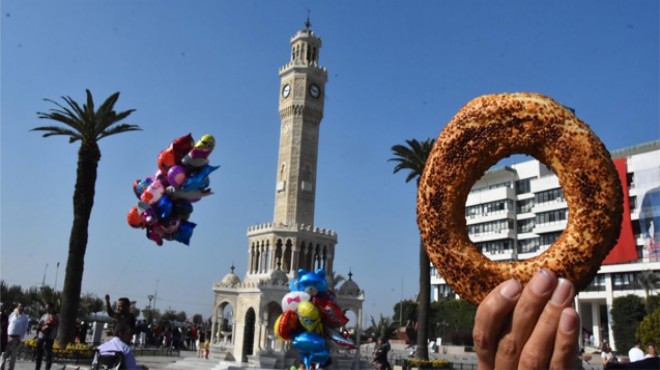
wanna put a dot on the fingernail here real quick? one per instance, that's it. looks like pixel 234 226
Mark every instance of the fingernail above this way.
pixel 568 321
pixel 543 282
pixel 511 289
pixel 563 292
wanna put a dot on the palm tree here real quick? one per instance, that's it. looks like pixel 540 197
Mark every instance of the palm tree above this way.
pixel 335 280
pixel 413 158
pixel 384 328
pixel 649 281
pixel 87 126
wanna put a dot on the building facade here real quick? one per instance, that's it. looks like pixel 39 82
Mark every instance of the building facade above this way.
pixel 245 311
pixel 516 212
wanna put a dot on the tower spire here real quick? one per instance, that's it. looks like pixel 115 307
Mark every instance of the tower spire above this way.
pixel 308 24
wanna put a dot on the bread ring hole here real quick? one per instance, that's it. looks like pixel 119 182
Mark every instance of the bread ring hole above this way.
pixel 516 210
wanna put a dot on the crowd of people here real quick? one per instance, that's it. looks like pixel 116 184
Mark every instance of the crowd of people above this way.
pixel 636 353
pixel 515 327
pixel 124 334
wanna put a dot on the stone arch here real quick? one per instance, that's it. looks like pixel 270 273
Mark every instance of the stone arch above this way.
pixel 256 256
pixel 302 255
pixel 278 253
pixel 288 262
pixel 352 315
pixel 316 263
pixel 223 323
pixel 271 312
pixel 249 327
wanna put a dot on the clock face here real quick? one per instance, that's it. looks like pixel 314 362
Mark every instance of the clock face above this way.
pixel 286 90
pixel 314 90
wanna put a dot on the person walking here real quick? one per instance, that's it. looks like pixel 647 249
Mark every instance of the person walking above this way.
pixel 47 332
pixel 200 343
pixel 380 361
pixel 17 328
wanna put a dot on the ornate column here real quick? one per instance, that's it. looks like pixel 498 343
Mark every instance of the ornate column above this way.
pixel 214 325
pixel 295 250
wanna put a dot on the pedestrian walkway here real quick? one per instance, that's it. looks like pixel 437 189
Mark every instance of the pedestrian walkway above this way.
pixel 185 361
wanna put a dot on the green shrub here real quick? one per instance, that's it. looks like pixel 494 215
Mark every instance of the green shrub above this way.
pixel 627 312
pixel 649 329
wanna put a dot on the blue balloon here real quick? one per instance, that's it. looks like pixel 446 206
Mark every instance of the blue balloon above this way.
pixel 311 348
pixel 308 342
pixel 164 207
pixel 140 185
pixel 315 280
pixel 185 232
pixel 199 180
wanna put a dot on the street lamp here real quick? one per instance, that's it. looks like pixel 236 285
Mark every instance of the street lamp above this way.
pixel 150 297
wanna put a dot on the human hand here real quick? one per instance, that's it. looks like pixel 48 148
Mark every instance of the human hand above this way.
pixel 107 297
pixel 530 328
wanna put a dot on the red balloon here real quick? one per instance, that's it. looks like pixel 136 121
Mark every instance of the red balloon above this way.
pixel 166 160
pixel 134 219
pixel 287 325
pixel 181 147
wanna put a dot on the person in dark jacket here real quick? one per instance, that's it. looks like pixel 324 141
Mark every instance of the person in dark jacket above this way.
pixel 380 355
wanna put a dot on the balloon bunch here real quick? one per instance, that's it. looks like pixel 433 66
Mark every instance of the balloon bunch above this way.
pixel 311 318
pixel 165 200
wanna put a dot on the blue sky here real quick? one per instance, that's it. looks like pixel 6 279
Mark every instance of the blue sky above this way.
pixel 397 70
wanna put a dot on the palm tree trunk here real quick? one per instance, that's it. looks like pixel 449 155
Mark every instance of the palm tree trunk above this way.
pixel 83 201
pixel 424 306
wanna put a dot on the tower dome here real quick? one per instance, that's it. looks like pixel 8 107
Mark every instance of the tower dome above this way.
pixel 349 287
pixel 231 279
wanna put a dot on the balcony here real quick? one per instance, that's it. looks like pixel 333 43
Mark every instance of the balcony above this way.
pixel 550 227
pixel 492 235
pixel 490 216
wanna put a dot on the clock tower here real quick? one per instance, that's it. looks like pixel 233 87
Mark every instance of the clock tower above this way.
pixel 292 240
pixel 302 93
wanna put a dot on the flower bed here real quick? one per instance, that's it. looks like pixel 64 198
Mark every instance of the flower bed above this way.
pixel 429 364
pixel 73 352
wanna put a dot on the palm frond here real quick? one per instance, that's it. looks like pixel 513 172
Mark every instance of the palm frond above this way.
pixel 85 124
pixel 118 130
pixel 89 107
pixel 58 131
pixel 412 157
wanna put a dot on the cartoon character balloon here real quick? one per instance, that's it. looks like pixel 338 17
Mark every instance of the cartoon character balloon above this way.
pixel 311 318
pixel 164 206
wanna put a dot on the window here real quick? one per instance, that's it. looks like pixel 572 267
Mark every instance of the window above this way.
pixel 552 217
pixel 494 247
pixel 525 206
pixel 549 196
pixel 528 245
pixel 526 226
pixel 523 186
pixel 490 227
pixel 624 281
pixel 499 206
pixel 597 284
pixel 549 238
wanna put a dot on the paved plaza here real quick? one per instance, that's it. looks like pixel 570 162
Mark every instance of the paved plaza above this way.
pixel 188 361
